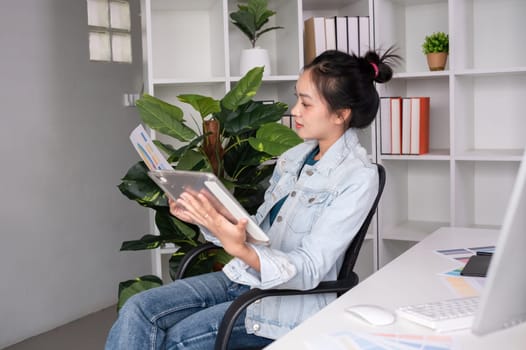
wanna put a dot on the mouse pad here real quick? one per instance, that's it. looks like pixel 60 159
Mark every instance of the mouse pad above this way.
pixel 476 266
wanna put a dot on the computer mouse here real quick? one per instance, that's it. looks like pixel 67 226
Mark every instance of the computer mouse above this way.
pixel 372 314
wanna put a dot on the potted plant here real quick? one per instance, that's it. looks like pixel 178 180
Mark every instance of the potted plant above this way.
pixel 239 137
pixel 250 18
pixel 436 47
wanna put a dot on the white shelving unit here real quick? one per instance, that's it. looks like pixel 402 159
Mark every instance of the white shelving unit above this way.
pixel 477 124
pixel 190 46
pixel 476 131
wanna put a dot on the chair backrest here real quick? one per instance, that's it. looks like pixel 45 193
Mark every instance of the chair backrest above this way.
pixel 351 255
pixel 346 277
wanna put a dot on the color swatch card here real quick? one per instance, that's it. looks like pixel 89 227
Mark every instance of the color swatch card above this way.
pixel 349 340
pixel 149 153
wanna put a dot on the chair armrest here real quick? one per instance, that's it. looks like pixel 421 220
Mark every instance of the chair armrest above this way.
pixel 189 257
pixel 243 301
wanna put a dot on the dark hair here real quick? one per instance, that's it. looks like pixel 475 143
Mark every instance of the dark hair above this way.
pixel 347 81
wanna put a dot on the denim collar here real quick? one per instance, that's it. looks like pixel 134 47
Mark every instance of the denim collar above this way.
pixel 341 149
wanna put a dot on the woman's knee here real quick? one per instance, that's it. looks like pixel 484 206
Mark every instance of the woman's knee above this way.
pixel 135 306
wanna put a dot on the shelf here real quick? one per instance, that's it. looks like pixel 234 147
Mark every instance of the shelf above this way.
pixel 421 75
pixel 481 191
pixel 488 113
pixel 491 155
pixel 413 231
pixel 486 27
pixel 272 78
pixel 432 155
pixel 189 81
pixel 405 24
pixel 177 54
pixel 416 192
pixel 335 8
pixel 194 5
pixel 491 72
pixel 318 5
pixel 277 42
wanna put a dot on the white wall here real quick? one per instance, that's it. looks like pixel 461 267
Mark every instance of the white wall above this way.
pixel 63 149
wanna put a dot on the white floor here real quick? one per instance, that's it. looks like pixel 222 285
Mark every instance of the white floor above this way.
pixel 88 333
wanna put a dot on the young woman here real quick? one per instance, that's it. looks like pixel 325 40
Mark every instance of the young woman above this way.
pixel 319 195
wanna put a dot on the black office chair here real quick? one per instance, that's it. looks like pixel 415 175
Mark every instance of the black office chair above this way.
pixel 347 278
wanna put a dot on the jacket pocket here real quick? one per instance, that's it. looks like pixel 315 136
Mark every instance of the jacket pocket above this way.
pixel 308 207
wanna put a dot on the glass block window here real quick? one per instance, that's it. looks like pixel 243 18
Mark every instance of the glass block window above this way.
pixel 109 30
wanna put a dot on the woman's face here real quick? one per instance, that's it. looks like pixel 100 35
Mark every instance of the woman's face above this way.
pixel 313 119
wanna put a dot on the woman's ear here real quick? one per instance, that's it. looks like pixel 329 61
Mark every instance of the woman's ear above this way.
pixel 344 116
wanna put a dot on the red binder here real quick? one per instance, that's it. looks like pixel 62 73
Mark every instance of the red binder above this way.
pixel 419 125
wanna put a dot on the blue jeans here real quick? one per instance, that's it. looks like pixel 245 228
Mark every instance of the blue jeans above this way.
pixel 184 314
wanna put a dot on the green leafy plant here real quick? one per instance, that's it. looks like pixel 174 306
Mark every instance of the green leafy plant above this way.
pixel 251 18
pixel 239 138
pixel 436 42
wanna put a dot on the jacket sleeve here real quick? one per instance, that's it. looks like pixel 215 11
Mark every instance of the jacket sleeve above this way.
pixel 307 265
pixel 208 236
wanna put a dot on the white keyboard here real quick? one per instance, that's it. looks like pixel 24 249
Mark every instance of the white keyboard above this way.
pixel 444 315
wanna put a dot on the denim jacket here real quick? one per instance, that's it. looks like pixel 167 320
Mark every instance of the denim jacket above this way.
pixel 326 206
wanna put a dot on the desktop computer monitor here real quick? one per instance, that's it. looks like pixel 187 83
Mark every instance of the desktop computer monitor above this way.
pixel 503 299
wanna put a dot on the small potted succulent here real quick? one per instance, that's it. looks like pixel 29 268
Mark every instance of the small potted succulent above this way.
pixel 436 48
pixel 250 18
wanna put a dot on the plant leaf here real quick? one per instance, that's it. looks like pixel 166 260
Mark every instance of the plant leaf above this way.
pixel 165 106
pixel 138 186
pixel 251 186
pixel 246 22
pixel 145 242
pixel 274 139
pixel 251 116
pixel 176 154
pixel 174 229
pixel 164 117
pixel 244 90
pixel 172 154
pixel 131 287
pixel 203 104
pixel 251 18
pixel 267 30
pixel 258 8
pixel 164 147
pixel 193 160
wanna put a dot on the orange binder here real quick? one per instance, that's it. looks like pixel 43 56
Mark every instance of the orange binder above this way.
pixel 419 125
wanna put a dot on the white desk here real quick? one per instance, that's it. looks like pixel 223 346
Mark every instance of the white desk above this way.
pixel 411 278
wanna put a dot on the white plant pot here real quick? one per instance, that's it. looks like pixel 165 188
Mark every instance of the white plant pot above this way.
pixel 255 57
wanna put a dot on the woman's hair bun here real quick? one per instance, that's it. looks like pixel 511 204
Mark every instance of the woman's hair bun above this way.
pixel 381 66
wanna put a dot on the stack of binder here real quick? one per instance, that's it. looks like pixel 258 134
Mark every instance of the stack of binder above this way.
pixel 404 125
pixel 344 33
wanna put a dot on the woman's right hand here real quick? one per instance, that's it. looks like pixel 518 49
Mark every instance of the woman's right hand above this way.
pixel 182 214
pixel 179 212
pixel 197 208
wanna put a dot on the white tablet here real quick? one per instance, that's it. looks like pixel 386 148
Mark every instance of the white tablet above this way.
pixel 175 182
